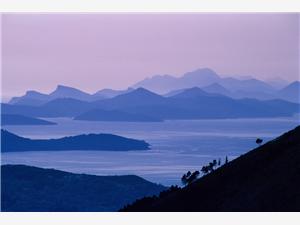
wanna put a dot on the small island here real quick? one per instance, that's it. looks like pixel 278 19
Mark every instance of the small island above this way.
pixel 105 142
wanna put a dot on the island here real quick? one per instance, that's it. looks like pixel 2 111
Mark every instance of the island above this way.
pixel 106 142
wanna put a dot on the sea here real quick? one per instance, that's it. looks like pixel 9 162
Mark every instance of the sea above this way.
pixel 177 146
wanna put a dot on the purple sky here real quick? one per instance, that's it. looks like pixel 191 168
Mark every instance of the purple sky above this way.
pixel 95 51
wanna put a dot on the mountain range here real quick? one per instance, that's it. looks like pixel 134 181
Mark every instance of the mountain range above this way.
pixel 205 78
pixel 142 105
pixel 199 94
pixel 210 81
pixel 34 98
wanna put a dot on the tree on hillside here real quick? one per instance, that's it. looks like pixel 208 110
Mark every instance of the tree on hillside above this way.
pixel 214 162
pixel 219 162
pixel 188 174
pixel 189 177
pixel 226 160
pixel 184 179
pixel 194 176
pixel 204 170
pixel 259 141
pixel 210 167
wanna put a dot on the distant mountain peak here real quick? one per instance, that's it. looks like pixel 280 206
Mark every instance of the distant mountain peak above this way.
pixel 138 94
pixel 160 76
pixel 205 70
pixel 216 88
pixel 216 85
pixel 191 92
pixel 110 93
pixel 63 88
pixel 143 91
pixel 202 72
pixel 140 89
pixel 62 91
pixel 32 92
pixel 295 83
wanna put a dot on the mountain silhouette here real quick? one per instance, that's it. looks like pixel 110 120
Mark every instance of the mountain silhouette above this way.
pixel 264 179
pixel 109 142
pixel 32 189
pixel 249 85
pixel 291 92
pixel 216 88
pixel 190 103
pixel 161 84
pixel 193 92
pixel 64 107
pixel 140 97
pixel 61 107
pixel 166 83
pixel 31 98
pixel 110 93
pixel 237 87
pixel 62 91
pixel 202 78
pixel 277 82
pixel 34 98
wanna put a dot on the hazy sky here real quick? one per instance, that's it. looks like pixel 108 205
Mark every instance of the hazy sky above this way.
pixel 98 51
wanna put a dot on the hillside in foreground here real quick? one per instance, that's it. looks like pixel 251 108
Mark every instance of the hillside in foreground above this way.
pixel 32 189
pixel 265 179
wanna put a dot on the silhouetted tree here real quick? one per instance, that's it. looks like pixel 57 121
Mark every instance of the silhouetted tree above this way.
pixel 219 162
pixel 193 177
pixel 226 160
pixel 259 141
pixel 184 179
pixel 210 167
pixel 204 170
pixel 214 162
pixel 189 177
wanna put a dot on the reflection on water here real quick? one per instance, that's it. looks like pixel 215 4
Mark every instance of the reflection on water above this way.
pixel 176 146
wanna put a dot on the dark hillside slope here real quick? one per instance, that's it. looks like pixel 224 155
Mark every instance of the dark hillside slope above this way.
pixel 33 189
pixel 265 179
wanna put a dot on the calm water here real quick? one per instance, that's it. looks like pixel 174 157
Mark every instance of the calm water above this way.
pixel 176 146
